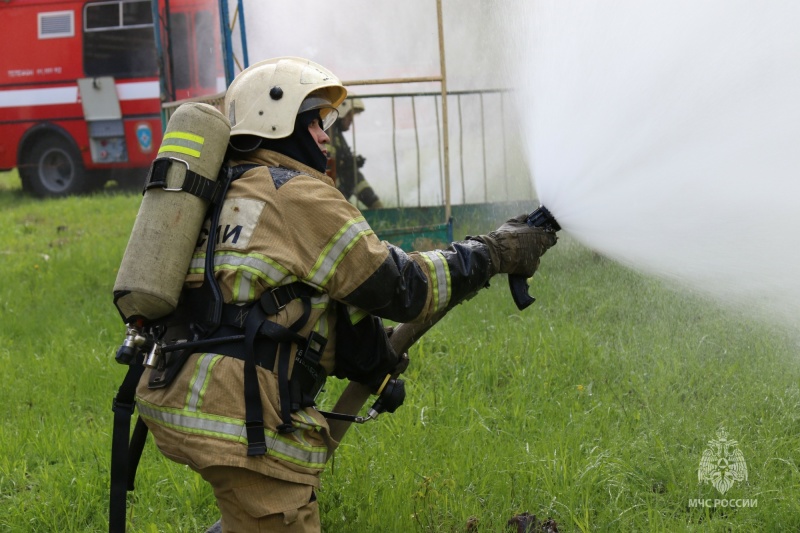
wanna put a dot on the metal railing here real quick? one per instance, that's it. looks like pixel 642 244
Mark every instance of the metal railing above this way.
pixel 484 166
pixel 481 141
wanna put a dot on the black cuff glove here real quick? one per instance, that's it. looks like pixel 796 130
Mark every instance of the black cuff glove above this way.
pixel 515 247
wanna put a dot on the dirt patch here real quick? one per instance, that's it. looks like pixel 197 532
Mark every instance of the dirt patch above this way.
pixel 528 523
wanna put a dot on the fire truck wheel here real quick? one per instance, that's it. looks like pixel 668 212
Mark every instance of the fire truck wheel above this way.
pixel 52 168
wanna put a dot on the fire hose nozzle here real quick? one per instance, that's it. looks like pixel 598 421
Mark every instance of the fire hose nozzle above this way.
pixel 543 218
pixel 538 218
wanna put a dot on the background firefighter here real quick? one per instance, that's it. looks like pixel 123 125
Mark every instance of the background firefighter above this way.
pixel 306 279
pixel 344 166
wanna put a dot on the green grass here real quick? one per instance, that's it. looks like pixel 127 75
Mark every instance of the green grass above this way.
pixel 593 407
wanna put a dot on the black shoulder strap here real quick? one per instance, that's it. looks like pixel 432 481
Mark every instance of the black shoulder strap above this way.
pixel 121 473
pixel 210 290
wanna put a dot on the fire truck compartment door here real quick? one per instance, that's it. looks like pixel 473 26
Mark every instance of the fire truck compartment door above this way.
pixel 106 128
pixel 99 98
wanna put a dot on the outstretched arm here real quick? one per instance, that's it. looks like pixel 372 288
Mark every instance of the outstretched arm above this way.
pixel 416 286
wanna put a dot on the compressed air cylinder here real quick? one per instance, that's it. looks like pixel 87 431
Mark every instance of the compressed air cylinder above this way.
pixel 168 224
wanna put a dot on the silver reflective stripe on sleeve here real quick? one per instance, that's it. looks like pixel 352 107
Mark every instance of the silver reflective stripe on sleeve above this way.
pixel 440 274
pixel 336 249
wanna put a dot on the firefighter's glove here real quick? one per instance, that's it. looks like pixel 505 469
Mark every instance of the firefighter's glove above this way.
pixel 515 247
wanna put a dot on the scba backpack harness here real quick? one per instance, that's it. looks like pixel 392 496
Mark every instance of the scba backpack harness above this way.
pixel 166 323
pixel 184 180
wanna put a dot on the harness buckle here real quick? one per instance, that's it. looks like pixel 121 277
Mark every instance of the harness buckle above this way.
pixel 272 305
pixel 308 357
pixel 164 186
pixel 285 428
pixel 123 407
pixel 308 375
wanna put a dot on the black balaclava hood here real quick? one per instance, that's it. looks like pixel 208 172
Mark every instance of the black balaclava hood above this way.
pixel 300 145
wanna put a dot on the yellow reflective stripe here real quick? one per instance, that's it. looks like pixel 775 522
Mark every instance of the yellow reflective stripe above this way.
pixel 246 268
pixel 257 265
pixel 356 314
pixel 283 451
pixel 195 422
pixel 231 429
pixel 185 136
pixel 183 143
pixel 440 275
pixel 306 422
pixel 200 380
pixel 243 288
pixel 320 301
pixel 198 264
pixel 336 249
pixel 179 149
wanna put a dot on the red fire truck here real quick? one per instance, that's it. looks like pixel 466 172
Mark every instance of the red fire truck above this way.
pixel 82 83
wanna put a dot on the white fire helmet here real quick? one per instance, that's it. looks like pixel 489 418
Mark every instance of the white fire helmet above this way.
pixel 351 104
pixel 265 98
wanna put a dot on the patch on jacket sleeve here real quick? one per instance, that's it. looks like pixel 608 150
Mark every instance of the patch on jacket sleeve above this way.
pixel 281 175
pixel 237 221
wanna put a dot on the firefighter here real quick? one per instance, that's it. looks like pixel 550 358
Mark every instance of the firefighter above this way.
pixel 344 166
pixel 305 280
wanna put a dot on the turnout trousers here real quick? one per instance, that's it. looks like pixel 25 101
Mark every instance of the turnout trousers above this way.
pixel 251 502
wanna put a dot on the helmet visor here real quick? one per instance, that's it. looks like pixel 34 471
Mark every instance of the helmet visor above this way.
pixel 328 114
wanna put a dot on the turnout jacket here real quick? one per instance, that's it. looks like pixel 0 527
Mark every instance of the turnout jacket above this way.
pixel 283 222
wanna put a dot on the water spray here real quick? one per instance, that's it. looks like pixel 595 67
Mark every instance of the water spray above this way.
pixel 539 218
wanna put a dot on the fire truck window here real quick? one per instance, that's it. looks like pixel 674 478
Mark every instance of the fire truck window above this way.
pixel 204 37
pixel 118 40
pixel 100 16
pixel 137 14
pixel 179 41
